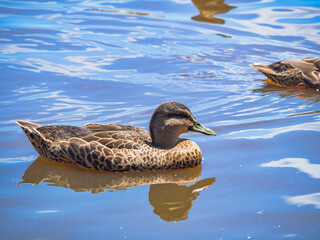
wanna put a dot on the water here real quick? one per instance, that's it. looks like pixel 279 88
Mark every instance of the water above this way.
pixel 73 62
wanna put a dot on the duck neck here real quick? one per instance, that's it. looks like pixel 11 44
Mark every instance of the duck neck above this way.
pixel 162 135
pixel 164 139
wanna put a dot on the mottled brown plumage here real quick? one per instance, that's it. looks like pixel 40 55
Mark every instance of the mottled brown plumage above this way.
pixel 291 73
pixel 120 147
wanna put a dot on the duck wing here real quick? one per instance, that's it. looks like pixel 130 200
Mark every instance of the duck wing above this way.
pixel 305 65
pixel 102 147
pixel 56 133
pixel 105 147
pixel 310 68
pixel 314 60
pixel 95 127
pixel 123 139
pixel 108 150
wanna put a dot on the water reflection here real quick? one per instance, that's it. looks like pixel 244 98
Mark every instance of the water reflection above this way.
pixel 261 133
pixel 285 92
pixel 307 199
pixel 302 164
pixel 173 202
pixel 168 193
pixel 119 11
pixel 210 8
pixel 83 180
pixel 290 24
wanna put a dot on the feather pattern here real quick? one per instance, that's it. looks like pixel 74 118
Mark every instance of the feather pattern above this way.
pixel 112 147
pixel 293 72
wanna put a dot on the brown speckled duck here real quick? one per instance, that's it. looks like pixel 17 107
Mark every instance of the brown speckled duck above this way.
pixel 118 148
pixel 292 73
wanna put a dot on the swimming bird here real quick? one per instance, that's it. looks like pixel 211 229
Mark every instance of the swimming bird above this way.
pixel 118 148
pixel 294 72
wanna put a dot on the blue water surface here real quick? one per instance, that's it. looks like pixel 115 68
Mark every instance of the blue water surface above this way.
pixel 74 62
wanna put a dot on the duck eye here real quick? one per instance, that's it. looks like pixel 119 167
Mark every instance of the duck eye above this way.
pixel 194 125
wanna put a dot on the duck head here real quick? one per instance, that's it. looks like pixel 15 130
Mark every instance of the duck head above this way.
pixel 171 119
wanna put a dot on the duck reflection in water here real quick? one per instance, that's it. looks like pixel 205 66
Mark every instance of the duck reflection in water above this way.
pixel 173 202
pixel 168 193
pixel 285 92
pixel 209 8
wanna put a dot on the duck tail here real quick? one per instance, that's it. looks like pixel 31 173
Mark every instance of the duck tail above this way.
pixel 31 130
pixel 28 125
pixel 264 69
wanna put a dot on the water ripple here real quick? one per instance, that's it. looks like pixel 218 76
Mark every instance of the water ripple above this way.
pixel 63 64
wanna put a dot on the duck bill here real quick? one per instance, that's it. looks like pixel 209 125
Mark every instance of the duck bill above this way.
pixel 197 127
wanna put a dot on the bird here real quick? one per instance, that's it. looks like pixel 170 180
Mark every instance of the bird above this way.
pixel 119 148
pixel 304 72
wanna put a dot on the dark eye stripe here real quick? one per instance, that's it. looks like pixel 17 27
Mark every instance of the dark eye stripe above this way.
pixel 180 115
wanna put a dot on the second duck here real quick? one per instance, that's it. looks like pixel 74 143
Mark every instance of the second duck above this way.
pixel 294 72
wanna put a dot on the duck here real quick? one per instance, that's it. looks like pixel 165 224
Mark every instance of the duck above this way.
pixel 119 148
pixel 302 72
